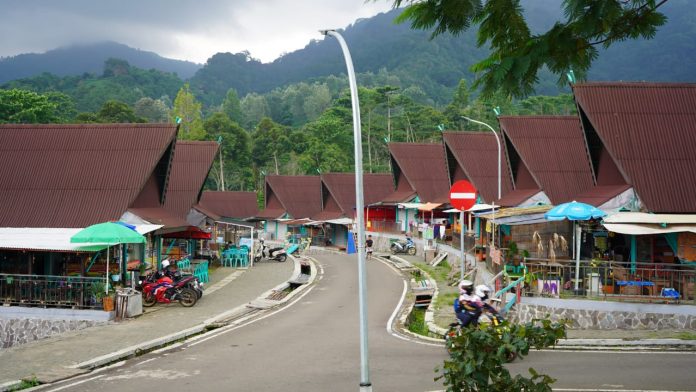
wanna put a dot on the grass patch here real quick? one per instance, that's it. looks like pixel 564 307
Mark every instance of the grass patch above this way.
pixel 445 299
pixel 416 322
pixel 686 335
pixel 438 273
pixel 26 384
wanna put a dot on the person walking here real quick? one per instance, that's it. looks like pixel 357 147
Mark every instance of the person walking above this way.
pixel 368 246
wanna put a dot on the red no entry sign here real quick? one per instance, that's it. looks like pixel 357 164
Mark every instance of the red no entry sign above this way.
pixel 462 195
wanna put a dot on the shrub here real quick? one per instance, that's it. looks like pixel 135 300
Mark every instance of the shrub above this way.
pixel 478 356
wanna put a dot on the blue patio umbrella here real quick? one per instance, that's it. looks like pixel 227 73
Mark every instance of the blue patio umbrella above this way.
pixel 575 211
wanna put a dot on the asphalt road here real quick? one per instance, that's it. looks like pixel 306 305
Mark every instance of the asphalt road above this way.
pixel 312 345
pixel 608 371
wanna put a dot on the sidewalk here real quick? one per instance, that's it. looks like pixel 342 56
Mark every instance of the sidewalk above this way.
pixel 65 355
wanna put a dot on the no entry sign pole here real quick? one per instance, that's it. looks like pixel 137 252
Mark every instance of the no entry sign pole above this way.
pixel 462 197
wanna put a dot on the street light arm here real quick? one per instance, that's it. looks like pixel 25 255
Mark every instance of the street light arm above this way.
pixel 497 140
pixel 365 384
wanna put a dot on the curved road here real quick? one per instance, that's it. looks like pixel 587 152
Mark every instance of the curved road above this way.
pixel 311 345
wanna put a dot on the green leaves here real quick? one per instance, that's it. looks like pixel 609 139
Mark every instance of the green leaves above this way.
pixel 478 356
pixel 517 56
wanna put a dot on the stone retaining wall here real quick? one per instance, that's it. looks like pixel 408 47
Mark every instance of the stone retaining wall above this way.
pixel 605 319
pixel 14 332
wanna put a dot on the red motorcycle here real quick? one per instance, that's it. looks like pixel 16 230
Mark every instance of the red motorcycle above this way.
pixel 160 288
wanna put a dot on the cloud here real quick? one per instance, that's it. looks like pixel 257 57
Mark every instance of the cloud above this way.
pixel 182 29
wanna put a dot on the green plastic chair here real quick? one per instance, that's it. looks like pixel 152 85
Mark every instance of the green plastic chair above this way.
pixel 201 272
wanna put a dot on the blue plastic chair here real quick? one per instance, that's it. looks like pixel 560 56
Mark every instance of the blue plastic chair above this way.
pixel 229 257
pixel 242 257
pixel 201 272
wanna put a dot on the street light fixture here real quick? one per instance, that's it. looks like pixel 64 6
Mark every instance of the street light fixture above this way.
pixel 497 139
pixel 365 384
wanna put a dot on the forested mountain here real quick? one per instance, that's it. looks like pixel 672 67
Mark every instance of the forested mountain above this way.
pixel 117 80
pixel 79 59
pixel 437 65
pixel 378 45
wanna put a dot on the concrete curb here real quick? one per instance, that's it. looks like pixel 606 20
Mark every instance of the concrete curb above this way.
pixel 135 350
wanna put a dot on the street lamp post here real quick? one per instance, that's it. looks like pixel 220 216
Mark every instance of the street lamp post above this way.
pixel 497 139
pixel 365 384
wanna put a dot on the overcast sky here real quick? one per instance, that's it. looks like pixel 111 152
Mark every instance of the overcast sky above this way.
pixel 183 29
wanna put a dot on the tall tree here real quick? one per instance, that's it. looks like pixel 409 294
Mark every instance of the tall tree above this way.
pixel 235 150
pixel 232 108
pixel 26 107
pixel 255 109
pixel 117 112
pixel 270 144
pixel 188 110
pixel 153 110
pixel 517 54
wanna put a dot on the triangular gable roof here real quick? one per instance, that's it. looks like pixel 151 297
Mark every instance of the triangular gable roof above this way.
pixel 341 187
pixel 76 175
pixel 424 167
pixel 649 129
pixel 553 148
pixel 476 153
pixel 300 196
pixel 190 167
pixel 239 205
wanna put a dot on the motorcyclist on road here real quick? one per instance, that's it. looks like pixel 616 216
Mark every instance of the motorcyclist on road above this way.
pixel 470 307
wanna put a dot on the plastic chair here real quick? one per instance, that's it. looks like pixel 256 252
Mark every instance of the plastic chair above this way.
pixel 242 257
pixel 201 272
pixel 229 256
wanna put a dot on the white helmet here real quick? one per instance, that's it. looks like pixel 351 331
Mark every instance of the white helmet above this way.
pixel 466 286
pixel 165 263
pixel 482 291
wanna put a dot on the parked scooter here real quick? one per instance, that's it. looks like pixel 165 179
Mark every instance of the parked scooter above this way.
pixel 406 246
pixel 264 252
pixel 160 288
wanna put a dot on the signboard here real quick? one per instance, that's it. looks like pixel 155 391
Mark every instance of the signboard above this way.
pixel 462 195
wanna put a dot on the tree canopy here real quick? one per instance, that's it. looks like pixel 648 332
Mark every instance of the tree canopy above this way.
pixel 517 54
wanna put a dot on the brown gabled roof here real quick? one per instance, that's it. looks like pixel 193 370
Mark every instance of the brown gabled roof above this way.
pixel 159 216
pixel 239 205
pixel 76 175
pixel 341 187
pixel 600 194
pixel 300 196
pixel 476 153
pixel 190 167
pixel 516 197
pixel 424 167
pixel 553 148
pixel 649 129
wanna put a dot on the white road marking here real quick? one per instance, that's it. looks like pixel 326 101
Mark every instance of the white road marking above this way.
pixel 614 351
pixel 78 382
pixel 243 322
pixel 615 390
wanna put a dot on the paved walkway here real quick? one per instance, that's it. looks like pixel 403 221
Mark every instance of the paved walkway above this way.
pixel 62 356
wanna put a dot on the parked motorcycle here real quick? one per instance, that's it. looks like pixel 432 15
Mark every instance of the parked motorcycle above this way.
pixel 193 284
pixel 264 252
pixel 407 247
pixel 160 288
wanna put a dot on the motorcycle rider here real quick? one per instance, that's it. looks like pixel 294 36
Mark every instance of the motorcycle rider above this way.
pixel 470 306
